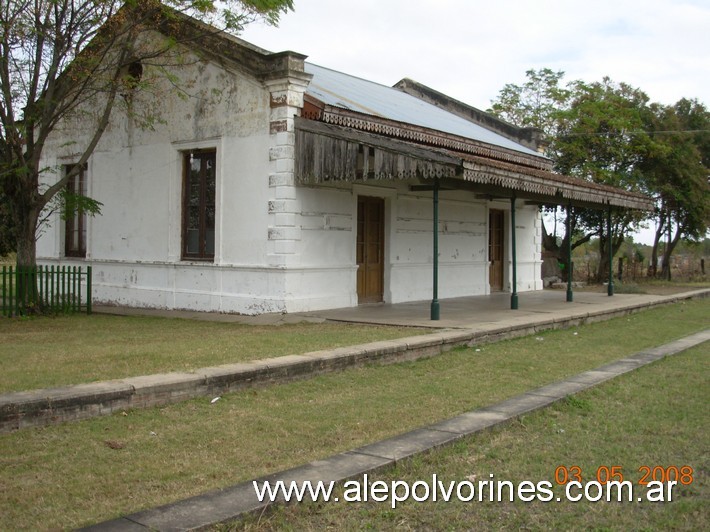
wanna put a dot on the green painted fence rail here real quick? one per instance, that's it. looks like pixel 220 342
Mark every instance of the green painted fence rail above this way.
pixel 56 289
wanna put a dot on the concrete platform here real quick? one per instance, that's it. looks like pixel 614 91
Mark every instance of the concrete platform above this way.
pixel 493 311
pixel 474 312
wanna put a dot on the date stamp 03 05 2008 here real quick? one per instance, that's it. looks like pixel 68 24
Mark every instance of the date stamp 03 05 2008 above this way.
pixel 654 478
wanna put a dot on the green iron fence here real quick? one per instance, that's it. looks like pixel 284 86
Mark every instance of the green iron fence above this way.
pixel 45 288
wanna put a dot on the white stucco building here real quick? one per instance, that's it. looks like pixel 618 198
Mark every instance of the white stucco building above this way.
pixel 269 184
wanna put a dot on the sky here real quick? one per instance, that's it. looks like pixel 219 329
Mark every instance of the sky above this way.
pixel 469 49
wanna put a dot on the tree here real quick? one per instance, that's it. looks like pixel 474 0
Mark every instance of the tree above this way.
pixel 677 172
pixel 602 140
pixel 58 56
pixel 596 134
pixel 536 103
pixel 539 103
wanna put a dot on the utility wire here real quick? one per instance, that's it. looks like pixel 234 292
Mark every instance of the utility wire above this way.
pixel 639 132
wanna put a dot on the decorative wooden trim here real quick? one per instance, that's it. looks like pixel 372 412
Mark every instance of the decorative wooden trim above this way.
pixel 483 171
pixel 429 137
pixel 335 152
pixel 321 158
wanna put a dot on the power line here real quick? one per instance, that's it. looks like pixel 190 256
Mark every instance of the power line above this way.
pixel 637 132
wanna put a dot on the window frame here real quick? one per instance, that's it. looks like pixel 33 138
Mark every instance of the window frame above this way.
pixel 75 225
pixel 187 157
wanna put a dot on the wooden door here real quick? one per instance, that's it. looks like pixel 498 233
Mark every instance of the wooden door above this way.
pixel 370 249
pixel 495 249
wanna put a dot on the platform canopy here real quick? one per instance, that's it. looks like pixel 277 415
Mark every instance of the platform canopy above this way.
pixel 354 130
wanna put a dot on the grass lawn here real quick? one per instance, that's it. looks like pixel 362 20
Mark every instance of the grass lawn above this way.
pixel 76 349
pixel 75 474
pixel 656 416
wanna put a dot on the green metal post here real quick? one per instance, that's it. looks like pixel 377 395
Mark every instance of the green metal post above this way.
pixel 5 293
pixel 41 284
pixel 514 292
pixel 88 289
pixel 19 297
pixel 435 310
pixel 51 288
pixel 77 289
pixel 570 295
pixel 610 291
pixel 63 291
pixel 75 301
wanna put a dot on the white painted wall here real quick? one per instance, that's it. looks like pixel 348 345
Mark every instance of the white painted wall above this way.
pixel 327 274
pixel 134 246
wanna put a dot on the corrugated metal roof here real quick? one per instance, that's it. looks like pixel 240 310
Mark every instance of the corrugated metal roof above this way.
pixel 349 92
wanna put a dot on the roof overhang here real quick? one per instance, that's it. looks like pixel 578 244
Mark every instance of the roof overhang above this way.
pixel 546 187
pixel 328 114
pixel 362 149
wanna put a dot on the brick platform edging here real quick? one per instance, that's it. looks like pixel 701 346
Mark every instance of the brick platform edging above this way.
pixel 49 406
pixel 223 505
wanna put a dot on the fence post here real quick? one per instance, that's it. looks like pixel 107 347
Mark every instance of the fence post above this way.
pixel 5 294
pixel 50 282
pixel 18 290
pixel 63 297
pixel 39 286
pixel 88 289
pixel 78 293
pixel 74 289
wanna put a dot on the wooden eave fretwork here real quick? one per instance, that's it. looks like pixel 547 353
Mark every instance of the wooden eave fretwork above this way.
pixel 540 184
pixel 325 152
pixel 333 152
pixel 316 110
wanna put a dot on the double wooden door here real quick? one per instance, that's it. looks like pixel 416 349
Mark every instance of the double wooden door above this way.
pixel 370 249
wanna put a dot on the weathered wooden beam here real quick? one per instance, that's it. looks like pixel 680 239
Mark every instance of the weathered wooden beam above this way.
pixel 361 137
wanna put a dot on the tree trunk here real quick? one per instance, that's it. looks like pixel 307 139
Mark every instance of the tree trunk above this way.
pixel 666 270
pixel 549 244
pixel 27 290
pixel 653 264
pixel 607 244
pixel 26 242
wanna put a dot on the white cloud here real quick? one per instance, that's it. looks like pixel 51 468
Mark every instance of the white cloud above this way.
pixel 469 49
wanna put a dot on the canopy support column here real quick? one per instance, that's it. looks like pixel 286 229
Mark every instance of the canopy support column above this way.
pixel 435 310
pixel 570 295
pixel 514 292
pixel 610 290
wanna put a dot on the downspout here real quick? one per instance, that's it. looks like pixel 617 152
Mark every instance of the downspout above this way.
pixel 435 310
pixel 514 292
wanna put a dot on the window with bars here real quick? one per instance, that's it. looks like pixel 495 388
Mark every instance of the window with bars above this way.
pixel 199 205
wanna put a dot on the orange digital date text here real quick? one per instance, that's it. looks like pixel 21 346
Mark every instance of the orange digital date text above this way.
pixel 603 474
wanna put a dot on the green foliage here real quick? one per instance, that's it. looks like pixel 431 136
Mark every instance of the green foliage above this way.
pixel 601 135
pixel 77 204
pixel 535 103
pixel 608 133
pixel 677 169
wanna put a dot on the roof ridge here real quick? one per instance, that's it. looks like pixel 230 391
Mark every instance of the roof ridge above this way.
pixel 529 137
